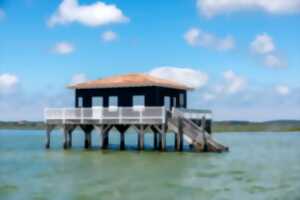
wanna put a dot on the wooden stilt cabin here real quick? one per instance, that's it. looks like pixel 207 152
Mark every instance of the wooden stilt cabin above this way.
pixel 134 100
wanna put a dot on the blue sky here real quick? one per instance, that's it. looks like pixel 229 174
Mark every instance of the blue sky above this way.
pixel 242 57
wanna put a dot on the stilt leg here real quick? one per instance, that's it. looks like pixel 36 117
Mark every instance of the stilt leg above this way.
pixel 122 141
pixel 70 138
pixel 155 140
pixel 65 145
pixel 89 139
pixel 159 141
pixel 105 139
pixel 179 135
pixel 86 141
pixel 48 132
pixel 176 141
pixel 141 138
pixel 163 141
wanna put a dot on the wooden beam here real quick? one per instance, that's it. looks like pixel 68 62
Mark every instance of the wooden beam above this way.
pixel 155 137
pixel 105 135
pixel 87 135
pixel 70 129
pixel 179 136
pixel 122 140
pixel 155 140
pixel 65 143
pixel 141 137
pixel 49 129
pixel 122 129
pixel 162 142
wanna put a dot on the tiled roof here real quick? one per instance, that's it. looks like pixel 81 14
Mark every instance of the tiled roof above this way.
pixel 129 80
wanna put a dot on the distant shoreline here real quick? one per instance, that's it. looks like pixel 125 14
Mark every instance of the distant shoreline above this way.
pixel 218 126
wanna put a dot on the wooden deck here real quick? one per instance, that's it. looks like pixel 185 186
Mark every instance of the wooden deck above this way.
pixel 156 119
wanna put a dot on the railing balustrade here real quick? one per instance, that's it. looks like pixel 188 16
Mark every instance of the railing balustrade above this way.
pixel 112 115
pixel 196 114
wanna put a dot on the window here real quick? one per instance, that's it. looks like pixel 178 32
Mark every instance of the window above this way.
pixel 139 100
pixel 167 102
pixel 181 100
pixel 113 101
pixel 97 101
pixel 174 102
pixel 80 102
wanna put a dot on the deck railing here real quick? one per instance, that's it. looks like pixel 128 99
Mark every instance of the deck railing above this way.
pixel 107 115
pixel 196 114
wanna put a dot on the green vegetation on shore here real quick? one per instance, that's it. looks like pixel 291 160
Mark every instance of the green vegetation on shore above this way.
pixel 218 126
pixel 268 126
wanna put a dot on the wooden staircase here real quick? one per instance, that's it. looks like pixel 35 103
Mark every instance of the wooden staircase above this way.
pixel 193 134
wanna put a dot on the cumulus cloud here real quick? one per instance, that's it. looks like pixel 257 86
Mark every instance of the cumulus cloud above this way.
pixel 282 90
pixel 211 8
pixel 230 84
pixel 96 14
pixel 78 78
pixel 109 36
pixel 264 46
pixel 8 82
pixel 188 76
pixel 274 61
pixel 197 37
pixel 63 48
pixel 234 83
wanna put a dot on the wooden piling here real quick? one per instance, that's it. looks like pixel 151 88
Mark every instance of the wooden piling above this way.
pixel 141 138
pixel 87 129
pixel 70 139
pixel 179 136
pixel 163 138
pixel 155 140
pixel 105 136
pixel 65 143
pixel 122 129
pixel 122 141
pixel 49 129
pixel 203 124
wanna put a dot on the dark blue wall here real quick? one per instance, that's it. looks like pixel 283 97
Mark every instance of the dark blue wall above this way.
pixel 154 96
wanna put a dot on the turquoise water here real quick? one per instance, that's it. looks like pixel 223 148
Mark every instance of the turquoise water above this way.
pixel 258 166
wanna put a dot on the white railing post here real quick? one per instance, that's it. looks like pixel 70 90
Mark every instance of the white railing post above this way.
pixel 141 116
pixel 100 115
pixel 163 114
pixel 120 115
pixel 81 115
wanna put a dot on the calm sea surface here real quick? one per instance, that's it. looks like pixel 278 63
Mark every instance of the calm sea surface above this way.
pixel 258 166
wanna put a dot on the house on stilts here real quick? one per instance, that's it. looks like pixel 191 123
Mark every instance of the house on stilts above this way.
pixel 141 101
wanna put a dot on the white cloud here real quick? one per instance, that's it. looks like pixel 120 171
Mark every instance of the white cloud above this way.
pixel 109 36
pixel 234 83
pixel 8 82
pixel 190 77
pixel 63 48
pixel 282 90
pixel 274 61
pixel 262 44
pixel 78 78
pixel 2 14
pixel 211 8
pixel 96 14
pixel 198 37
